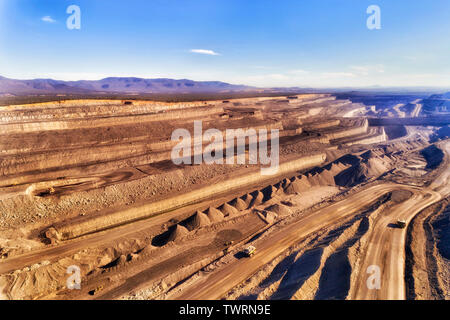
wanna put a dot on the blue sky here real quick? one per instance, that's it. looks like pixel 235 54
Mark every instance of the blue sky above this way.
pixel 317 43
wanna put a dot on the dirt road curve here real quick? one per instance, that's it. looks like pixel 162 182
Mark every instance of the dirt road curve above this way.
pixel 386 247
pixel 417 109
pixel 386 250
pixel 217 284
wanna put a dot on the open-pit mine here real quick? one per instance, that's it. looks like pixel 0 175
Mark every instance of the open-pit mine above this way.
pixel 93 205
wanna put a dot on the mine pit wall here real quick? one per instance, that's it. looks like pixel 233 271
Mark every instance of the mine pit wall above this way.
pixel 155 105
pixel 88 107
pixel 66 159
pixel 373 135
pixel 93 111
pixel 322 124
pixel 320 99
pixel 85 225
pixel 301 99
pixel 362 129
pixel 138 154
pixel 7 128
pixel 377 137
pixel 37 114
pixel 290 132
pixel 313 96
pixel 354 112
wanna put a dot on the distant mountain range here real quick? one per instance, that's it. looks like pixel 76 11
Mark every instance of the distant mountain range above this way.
pixel 125 85
pixel 132 85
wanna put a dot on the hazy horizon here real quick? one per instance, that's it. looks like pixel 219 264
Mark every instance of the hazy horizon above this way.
pixel 368 87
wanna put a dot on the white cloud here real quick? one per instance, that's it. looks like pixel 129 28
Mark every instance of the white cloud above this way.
pixel 48 19
pixel 205 51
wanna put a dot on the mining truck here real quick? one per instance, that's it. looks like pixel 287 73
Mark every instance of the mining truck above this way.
pixel 250 251
pixel 401 223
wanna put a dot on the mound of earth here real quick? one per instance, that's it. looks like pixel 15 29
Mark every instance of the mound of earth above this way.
pixel 369 166
pixel 323 178
pixel 173 233
pixel 239 204
pixel 228 210
pixel 294 187
pixel 285 183
pixel 177 232
pixel 269 192
pixel 247 199
pixel 352 176
pixel 270 216
pixel 327 177
pixel 214 215
pixel 279 209
pixel 199 219
pixel 258 199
